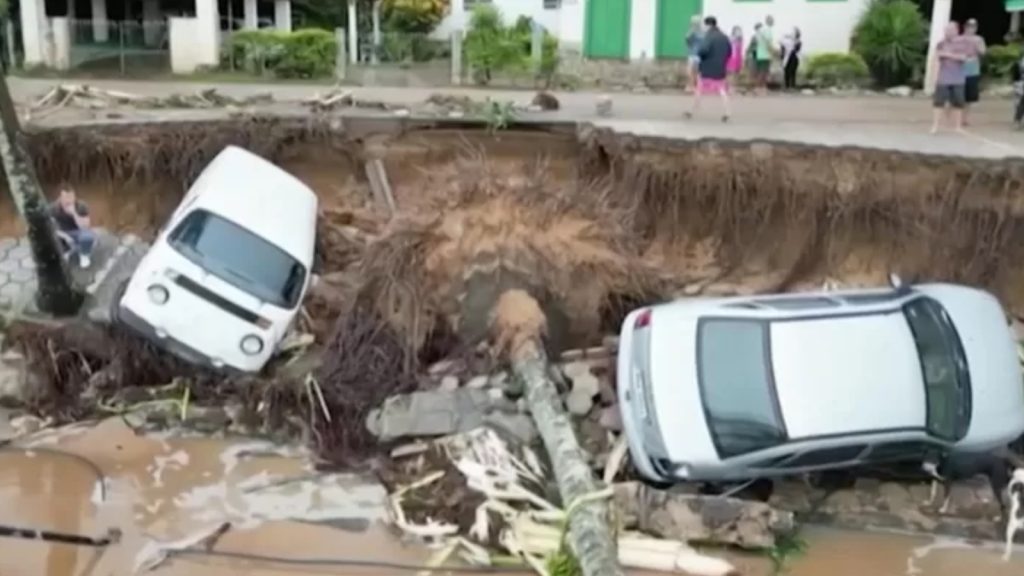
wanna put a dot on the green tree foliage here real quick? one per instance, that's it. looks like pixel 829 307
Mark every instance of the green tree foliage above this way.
pixel 413 16
pixel 999 59
pixel 892 37
pixel 491 47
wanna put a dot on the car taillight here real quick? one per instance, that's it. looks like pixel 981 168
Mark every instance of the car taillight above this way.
pixel 643 320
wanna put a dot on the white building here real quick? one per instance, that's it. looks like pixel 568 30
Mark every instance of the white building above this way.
pixel 193 41
pixel 655 29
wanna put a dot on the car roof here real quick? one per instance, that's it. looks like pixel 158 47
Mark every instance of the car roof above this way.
pixel 847 375
pixel 261 197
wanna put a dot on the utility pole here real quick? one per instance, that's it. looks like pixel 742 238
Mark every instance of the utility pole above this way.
pixel 56 294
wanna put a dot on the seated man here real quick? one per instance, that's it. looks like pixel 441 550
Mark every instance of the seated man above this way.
pixel 73 226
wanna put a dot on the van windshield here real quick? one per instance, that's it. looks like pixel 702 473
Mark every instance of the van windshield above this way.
pixel 240 258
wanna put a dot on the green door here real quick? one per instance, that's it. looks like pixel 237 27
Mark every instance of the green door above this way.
pixel 606 34
pixel 672 24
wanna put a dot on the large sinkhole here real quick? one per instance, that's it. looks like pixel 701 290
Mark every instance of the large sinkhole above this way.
pixel 591 222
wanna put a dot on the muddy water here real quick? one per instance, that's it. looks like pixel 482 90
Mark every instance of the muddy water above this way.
pixel 160 491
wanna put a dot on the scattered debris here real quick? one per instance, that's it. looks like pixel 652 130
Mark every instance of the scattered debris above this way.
pixel 488 494
pixel 339 97
pixel 699 518
pixel 437 413
pixel 91 97
pixel 546 101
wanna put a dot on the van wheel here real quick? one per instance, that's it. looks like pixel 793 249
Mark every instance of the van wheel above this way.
pixel 115 304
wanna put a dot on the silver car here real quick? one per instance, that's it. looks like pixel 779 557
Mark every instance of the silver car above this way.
pixel 727 389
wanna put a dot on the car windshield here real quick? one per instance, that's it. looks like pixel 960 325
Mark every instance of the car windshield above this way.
pixel 736 387
pixel 240 258
pixel 943 366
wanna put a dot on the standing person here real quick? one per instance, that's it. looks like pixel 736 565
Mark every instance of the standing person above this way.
pixel 976 48
pixel 693 41
pixel 791 58
pixel 950 54
pixel 715 52
pixel 74 227
pixel 763 54
pixel 735 64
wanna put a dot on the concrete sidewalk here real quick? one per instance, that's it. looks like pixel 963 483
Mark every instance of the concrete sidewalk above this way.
pixel 880 121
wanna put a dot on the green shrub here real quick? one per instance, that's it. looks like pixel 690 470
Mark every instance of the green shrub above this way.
pixel 256 50
pixel 523 32
pixel 837 69
pixel 306 53
pixel 490 47
pixel 999 59
pixel 892 37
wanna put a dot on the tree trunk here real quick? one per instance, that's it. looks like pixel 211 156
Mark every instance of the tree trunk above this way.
pixel 518 327
pixel 56 294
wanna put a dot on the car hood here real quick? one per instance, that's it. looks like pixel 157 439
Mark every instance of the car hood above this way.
pixel 997 414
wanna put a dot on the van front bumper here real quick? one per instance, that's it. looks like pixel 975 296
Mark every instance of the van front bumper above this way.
pixel 132 320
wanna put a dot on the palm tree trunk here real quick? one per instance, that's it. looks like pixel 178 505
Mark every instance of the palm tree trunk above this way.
pixel 56 294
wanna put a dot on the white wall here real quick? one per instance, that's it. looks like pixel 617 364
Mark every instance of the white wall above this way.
pixel 570 24
pixel 60 51
pixel 824 26
pixel 642 29
pixel 187 53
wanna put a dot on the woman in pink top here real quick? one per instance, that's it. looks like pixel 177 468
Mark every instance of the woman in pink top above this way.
pixel 735 64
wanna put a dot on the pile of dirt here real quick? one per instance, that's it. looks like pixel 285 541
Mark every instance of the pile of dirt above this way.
pixel 568 239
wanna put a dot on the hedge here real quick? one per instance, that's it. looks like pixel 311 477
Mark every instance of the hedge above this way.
pixel 308 53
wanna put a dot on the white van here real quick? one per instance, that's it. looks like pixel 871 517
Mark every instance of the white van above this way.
pixel 225 277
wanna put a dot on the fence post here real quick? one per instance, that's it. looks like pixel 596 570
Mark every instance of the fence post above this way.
pixel 9 37
pixel 341 57
pixel 456 57
pixel 120 43
pixel 536 45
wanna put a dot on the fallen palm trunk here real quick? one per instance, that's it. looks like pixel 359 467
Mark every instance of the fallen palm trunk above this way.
pixel 513 514
pixel 699 518
pixel 519 326
pixel 634 550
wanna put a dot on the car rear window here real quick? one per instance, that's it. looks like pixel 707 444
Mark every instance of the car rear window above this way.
pixel 240 258
pixel 736 386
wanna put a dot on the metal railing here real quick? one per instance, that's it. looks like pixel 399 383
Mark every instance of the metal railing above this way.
pixel 128 48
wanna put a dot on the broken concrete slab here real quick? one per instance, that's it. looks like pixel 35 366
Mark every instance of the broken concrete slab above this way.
pixel 585 386
pixel 700 518
pixel 434 413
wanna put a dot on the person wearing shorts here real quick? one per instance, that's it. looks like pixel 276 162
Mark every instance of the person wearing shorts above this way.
pixel 764 51
pixel 976 47
pixel 715 51
pixel 949 97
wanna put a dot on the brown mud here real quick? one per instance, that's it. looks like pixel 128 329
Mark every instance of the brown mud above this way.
pixel 160 490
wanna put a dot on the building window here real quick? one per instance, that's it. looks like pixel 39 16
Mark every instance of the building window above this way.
pixel 552 4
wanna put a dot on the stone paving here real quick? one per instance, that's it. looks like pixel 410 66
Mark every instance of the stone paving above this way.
pixel 111 256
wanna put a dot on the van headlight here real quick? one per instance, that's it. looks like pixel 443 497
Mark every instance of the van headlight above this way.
pixel 252 345
pixel 158 294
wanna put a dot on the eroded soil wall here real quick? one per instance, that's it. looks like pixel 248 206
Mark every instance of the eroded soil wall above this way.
pixel 675 217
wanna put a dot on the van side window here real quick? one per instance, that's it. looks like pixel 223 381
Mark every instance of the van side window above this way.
pixel 797 302
pixel 873 297
pixel 826 456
